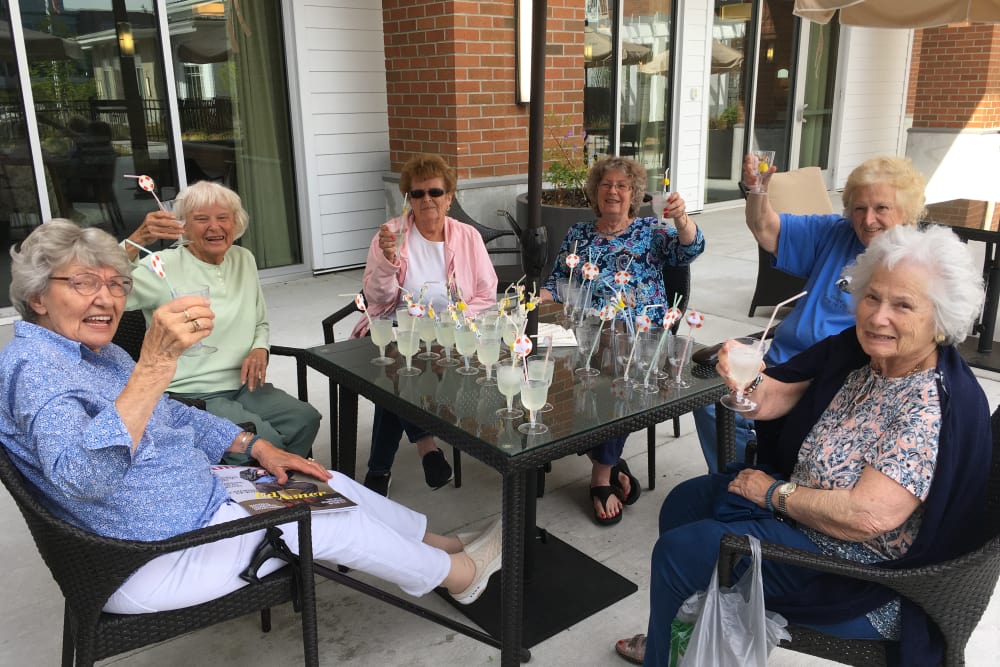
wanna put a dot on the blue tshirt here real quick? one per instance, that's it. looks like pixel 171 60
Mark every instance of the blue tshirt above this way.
pixel 817 248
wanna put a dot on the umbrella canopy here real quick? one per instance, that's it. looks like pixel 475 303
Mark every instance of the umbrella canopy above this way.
pixel 900 13
pixel 39 45
pixel 724 59
pixel 597 49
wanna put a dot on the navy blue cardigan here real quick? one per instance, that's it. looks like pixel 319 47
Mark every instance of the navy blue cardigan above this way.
pixel 954 519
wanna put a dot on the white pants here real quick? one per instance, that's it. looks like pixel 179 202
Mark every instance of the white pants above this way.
pixel 379 537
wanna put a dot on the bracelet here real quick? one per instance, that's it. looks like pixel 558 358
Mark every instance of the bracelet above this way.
pixel 253 439
pixel 770 494
pixel 244 436
pixel 754 384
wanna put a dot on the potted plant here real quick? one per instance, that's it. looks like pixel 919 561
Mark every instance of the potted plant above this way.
pixel 564 201
pixel 720 143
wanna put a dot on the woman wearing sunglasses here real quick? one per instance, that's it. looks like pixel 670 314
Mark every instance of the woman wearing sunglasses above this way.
pixel 423 250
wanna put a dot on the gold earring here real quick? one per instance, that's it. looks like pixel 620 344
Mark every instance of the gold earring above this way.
pixel 940 338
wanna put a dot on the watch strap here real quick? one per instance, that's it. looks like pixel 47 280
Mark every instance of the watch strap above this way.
pixel 769 496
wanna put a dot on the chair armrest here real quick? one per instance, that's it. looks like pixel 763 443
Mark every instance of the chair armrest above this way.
pixel 302 386
pixel 334 318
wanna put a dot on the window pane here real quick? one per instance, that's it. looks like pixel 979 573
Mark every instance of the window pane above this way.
pixel 233 106
pixel 101 109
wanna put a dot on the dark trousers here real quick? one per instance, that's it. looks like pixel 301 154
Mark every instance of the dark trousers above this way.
pixel 387 430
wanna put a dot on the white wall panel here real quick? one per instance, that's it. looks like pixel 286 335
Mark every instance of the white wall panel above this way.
pixel 689 150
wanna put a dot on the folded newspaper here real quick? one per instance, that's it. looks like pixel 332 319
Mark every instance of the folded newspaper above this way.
pixel 257 490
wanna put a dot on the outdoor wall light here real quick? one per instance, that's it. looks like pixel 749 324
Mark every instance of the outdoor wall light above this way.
pixel 782 73
pixel 126 45
pixel 769 54
pixel 522 44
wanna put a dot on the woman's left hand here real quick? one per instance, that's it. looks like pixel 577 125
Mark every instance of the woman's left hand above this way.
pixel 752 485
pixel 253 373
pixel 279 463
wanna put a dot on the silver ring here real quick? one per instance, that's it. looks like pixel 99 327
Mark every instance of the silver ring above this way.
pixel 187 315
pixel 196 325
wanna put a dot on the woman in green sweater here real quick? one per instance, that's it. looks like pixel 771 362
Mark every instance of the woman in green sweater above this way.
pixel 232 380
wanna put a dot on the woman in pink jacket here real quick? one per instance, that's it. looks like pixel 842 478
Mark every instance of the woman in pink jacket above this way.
pixel 435 250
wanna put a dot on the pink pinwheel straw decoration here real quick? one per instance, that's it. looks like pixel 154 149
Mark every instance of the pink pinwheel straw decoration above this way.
pixel 155 265
pixel 147 184
pixel 359 301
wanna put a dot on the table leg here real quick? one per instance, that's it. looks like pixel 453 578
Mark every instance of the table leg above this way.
pixel 347 439
pixel 512 572
pixel 334 427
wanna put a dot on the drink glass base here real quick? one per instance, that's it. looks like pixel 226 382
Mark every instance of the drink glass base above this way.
pixel 587 372
pixel 512 413
pixel 409 372
pixel 533 429
pixel 383 361
pixel 738 404
pixel 448 361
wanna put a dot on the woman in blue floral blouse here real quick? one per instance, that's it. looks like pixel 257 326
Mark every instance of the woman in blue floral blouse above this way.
pixel 616 239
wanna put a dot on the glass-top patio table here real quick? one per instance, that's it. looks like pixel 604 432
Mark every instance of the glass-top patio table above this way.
pixel 546 585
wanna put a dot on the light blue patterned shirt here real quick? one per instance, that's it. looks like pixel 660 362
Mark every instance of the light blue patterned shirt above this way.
pixel 59 422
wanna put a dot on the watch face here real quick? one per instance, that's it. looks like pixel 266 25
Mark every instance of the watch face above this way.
pixel 787 487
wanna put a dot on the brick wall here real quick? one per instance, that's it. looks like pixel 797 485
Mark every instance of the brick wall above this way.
pixel 450 77
pixel 957 81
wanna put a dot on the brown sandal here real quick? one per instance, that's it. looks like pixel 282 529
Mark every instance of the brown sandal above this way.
pixel 633 649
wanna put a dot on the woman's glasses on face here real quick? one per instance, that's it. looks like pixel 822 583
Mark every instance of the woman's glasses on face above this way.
pixel 433 192
pixel 615 186
pixel 88 284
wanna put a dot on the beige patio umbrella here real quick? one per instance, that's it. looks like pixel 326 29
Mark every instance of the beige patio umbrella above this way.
pixel 900 13
pixel 724 59
pixel 597 49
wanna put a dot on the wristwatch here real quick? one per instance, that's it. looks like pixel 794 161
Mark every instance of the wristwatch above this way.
pixel 744 188
pixel 785 490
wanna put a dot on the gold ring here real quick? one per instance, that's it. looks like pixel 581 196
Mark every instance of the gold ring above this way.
pixel 196 325
pixel 187 315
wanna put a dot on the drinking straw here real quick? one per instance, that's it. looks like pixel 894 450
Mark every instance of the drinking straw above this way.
pixel 607 314
pixel 147 184
pixel 694 320
pixel 156 266
pixel 642 324
pixel 359 301
pixel 669 318
pixel 760 346
pixel 402 220
pixel 572 260
pixel 548 349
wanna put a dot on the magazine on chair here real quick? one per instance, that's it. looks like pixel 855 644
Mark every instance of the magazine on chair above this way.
pixel 256 490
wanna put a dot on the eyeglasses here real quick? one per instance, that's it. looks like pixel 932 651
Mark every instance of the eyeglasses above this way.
pixel 433 192
pixel 615 186
pixel 88 284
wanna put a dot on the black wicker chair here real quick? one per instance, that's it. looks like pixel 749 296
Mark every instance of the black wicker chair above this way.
pixel 88 568
pixel 953 594
pixel 506 273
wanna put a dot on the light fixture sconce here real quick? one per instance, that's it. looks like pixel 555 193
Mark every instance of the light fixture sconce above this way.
pixel 782 73
pixel 126 45
pixel 522 43
pixel 769 54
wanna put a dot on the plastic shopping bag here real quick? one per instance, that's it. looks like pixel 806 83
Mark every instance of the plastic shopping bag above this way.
pixel 683 626
pixel 733 628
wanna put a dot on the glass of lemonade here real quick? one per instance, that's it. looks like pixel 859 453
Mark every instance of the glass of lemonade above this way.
pixel 427 328
pixel 509 382
pixel 540 369
pixel 381 333
pixel 465 344
pixel 446 337
pixel 408 342
pixel 511 327
pixel 745 355
pixel 488 351
pixel 533 395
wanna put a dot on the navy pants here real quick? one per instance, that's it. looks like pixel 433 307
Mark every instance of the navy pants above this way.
pixel 387 430
pixel 688 549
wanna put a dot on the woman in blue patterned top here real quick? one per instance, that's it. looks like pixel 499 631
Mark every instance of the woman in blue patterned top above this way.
pixel 615 240
pixel 110 453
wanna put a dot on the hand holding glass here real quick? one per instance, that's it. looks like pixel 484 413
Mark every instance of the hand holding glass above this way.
pixel 199 348
pixel 743 356
pixel 761 164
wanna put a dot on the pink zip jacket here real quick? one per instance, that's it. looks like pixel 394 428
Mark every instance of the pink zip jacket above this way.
pixel 465 257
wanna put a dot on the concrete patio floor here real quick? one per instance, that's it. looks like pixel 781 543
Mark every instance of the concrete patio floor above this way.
pixel 357 630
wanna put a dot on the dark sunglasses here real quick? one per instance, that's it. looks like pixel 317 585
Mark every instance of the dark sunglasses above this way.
pixel 433 192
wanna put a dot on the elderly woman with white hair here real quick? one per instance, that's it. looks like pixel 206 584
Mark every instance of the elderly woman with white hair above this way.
pixel 883 457
pixel 231 381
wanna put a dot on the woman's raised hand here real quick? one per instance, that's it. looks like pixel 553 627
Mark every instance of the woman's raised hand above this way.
pixel 750 174
pixel 156 226
pixel 387 242
pixel 176 326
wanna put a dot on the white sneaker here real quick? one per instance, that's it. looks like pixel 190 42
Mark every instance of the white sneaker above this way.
pixel 485 552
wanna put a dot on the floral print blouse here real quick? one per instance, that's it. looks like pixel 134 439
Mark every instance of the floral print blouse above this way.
pixel 891 424
pixel 647 246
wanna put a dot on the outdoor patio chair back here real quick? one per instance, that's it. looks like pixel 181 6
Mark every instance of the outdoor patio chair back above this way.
pixel 88 568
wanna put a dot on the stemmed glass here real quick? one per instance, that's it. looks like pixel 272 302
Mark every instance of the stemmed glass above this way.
pixel 569 293
pixel 408 342
pixel 533 395
pixel 168 206
pixel 761 164
pixel 621 346
pixel 587 332
pixel 405 321
pixel 381 334
pixel 647 359
pixel 678 355
pixel 659 203
pixel 465 344
pixel 427 328
pixel 745 355
pixel 541 369
pixel 510 325
pixel 488 351
pixel 509 382
pixel 198 349
pixel 445 329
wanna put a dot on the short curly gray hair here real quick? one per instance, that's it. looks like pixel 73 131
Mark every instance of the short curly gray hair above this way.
pixel 955 284
pixel 206 193
pixel 635 172
pixel 52 245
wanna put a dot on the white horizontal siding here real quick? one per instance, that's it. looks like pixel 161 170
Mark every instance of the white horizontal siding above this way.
pixel 690 107
pixel 341 63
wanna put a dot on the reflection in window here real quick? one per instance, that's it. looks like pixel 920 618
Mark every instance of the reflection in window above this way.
pixel 19 211
pixel 726 101
pixel 233 106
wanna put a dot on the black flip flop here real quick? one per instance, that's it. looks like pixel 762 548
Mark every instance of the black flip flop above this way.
pixel 634 489
pixel 603 493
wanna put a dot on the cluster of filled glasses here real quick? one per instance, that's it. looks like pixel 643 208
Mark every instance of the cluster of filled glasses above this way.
pixel 480 337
